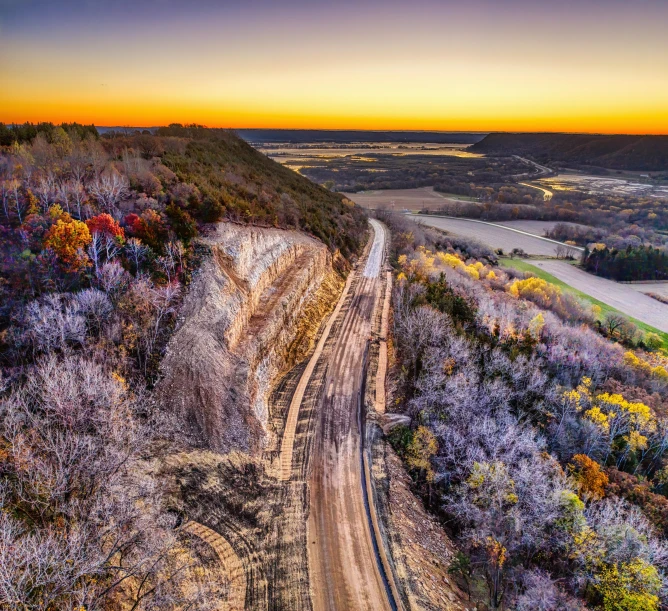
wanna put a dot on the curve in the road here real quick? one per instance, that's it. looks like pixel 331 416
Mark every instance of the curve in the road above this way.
pixel 230 564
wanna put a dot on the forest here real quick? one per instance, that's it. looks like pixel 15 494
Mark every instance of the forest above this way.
pixel 539 440
pixel 97 246
pixel 588 151
pixel 628 264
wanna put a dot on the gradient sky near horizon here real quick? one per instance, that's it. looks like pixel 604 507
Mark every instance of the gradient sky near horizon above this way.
pixel 478 65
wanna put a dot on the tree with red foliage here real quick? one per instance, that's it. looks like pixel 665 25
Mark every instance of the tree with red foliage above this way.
pixel 150 228
pixel 105 224
pixel 637 491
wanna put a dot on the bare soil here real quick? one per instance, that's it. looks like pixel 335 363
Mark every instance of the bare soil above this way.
pixel 399 200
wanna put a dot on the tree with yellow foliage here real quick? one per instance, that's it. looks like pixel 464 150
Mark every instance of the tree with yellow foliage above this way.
pixel 419 452
pixel 68 239
pixel 632 586
pixel 535 289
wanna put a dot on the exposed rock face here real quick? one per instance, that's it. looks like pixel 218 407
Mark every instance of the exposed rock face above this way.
pixel 237 326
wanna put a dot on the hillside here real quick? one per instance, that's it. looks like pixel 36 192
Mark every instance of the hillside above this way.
pixel 252 188
pixel 114 254
pixel 648 153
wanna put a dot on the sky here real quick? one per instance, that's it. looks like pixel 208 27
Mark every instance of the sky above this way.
pixel 474 65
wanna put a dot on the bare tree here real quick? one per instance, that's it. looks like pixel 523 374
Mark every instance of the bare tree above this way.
pixel 136 251
pixel 112 278
pixel 5 192
pixel 79 197
pixel 79 160
pixel 63 195
pixel 95 250
pixel 109 189
pixel 46 190
pixel 613 322
pixel 53 323
pixel 20 203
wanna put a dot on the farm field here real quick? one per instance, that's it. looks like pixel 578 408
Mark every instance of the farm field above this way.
pixel 660 288
pixel 604 185
pixel 647 313
pixel 495 236
pixel 536 227
pixel 404 199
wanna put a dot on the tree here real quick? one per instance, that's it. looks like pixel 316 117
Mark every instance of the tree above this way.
pixel 653 341
pixel 421 449
pixel 136 251
pixel 68 239
pixel 613 322
pixel 182 223
pixel 79 196
pixel 150 228
pixel 106 225
pixel 109 189
pixel 591 481
pixel 632 586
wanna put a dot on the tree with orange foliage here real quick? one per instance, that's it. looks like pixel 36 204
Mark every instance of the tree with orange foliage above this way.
pixel 587 473
pixel 68 239
pixel 105 224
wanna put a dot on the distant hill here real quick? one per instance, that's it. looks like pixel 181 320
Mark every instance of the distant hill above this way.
pixel 649 153
pixel 301 136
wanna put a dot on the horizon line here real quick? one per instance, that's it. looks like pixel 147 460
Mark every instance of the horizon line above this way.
pixel 334 130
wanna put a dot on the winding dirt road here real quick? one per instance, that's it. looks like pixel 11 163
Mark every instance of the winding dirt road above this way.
pixel 343 561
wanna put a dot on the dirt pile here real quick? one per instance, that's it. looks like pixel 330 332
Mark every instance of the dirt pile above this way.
pixel 242 323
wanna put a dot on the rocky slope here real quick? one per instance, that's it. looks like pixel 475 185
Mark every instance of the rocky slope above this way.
pixel 237 331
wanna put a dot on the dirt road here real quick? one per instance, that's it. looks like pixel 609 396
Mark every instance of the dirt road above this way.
pixel 547 194
pixel 343 564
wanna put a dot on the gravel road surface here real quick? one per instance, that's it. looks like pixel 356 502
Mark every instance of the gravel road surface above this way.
pixel 343 565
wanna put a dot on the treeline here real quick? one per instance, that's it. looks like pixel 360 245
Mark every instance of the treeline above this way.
pixel 541 443
pixel 347 137
pixel 27 132
pixel 629 264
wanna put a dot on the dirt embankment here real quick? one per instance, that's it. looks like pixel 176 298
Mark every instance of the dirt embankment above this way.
pixel 416 550
pixel 243 322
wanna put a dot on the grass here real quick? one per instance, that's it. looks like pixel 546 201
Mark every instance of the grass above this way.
pixel 523 266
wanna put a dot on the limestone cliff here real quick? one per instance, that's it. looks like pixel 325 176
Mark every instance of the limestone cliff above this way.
pixel 237 330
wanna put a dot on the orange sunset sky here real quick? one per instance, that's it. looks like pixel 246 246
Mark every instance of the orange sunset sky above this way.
pixel 515 65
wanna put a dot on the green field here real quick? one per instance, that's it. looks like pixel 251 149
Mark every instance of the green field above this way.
pixel 524 266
